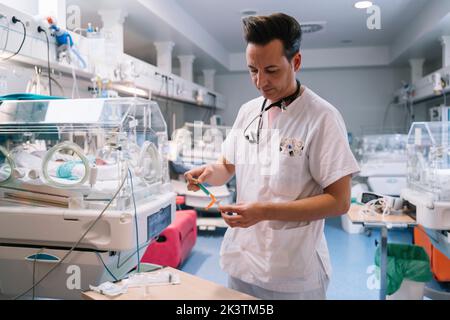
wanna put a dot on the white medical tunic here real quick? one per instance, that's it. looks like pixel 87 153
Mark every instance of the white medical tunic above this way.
pixel 306 151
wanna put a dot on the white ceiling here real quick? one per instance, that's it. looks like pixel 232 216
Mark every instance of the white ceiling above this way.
pixel 222 20
pixel 141 29
pixel 344 22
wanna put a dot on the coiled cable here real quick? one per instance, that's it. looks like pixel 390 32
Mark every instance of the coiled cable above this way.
pixel 76 150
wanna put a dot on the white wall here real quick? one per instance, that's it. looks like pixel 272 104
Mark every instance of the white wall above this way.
pixel 28 6
pixel 431 66
pixel 238 89
pixel 361 94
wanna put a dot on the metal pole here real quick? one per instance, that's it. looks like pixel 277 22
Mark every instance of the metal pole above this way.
pixel 383 263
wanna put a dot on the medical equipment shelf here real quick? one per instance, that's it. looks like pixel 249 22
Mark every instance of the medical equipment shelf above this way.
pixel 34 53
pixel 191 102
pixel 167 85
pixel 425 89
pixel 131 90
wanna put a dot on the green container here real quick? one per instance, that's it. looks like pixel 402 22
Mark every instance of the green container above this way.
pixel 405 262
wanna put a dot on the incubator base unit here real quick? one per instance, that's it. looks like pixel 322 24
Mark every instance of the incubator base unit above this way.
pixel 80 270
pixel 115 231
pixel 45 237
pixel 429 213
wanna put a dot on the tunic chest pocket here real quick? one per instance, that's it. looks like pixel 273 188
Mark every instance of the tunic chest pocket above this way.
pixel 287 175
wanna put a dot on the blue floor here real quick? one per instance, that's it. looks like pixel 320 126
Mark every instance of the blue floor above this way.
pixel 351 256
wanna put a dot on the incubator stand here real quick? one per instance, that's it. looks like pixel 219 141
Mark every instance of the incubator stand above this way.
pixel 61 163
pixel 383 162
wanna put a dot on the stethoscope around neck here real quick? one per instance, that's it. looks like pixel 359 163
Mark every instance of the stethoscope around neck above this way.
pixel 252 137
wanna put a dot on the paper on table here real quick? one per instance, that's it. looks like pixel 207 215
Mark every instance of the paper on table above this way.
pixel 110 289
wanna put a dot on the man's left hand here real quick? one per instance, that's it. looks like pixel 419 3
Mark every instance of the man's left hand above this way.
pixel 243 215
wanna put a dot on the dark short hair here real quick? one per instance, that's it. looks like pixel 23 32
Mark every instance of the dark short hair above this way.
pixel 261 30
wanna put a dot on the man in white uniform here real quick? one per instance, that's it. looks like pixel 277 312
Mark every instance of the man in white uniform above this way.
pixel 293 166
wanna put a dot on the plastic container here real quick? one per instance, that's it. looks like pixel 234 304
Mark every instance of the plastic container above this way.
pixel 409 290
pixel 408 269
pixel 351 227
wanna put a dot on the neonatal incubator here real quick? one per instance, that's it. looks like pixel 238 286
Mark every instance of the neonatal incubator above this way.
pixel 62 162
pixel 198 143
pixel 383 162
pixel 428 179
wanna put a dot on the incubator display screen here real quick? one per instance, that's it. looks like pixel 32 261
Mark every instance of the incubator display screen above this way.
pixel 157 222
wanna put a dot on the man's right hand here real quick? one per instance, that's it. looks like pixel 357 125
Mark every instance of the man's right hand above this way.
pixel 196 176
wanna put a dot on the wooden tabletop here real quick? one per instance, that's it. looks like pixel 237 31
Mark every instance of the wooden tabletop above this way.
pixel 190 288
pixel 356 216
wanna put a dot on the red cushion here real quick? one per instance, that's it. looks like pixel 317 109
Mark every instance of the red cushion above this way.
pixel 176 241
pixel 185 222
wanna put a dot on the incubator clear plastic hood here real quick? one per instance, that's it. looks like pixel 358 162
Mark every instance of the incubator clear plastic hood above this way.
pixel 428 174
pixel 428 152
pixel 76 153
